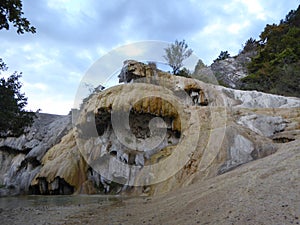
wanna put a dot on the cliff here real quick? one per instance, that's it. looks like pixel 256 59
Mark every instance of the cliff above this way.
pixel 152 134
pixel 231 70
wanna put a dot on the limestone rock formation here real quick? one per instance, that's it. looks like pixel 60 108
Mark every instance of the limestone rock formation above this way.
pixel 20 157
pixel 154 133
pixel 231 70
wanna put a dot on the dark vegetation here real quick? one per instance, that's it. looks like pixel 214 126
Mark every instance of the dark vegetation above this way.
pixel 11 13
pixel 276 66
pixel 223 55
pixel 13 117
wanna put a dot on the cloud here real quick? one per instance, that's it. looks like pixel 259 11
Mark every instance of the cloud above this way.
pixel 40 87
pixel 255 8
pixel 50 104
pixel 73 34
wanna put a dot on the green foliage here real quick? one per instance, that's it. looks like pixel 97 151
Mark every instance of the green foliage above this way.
pixel 176 53
pixel 200 65
pixel 13 117
pixel 276 66
pixel 184 72
pixel 11 12
pixel 3 66
pixel 292 18
pixel 250 45
pixel 223 55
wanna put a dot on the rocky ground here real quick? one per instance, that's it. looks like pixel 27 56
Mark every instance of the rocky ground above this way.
pixel 265 191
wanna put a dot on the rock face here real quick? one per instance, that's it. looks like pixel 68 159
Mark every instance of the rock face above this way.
pixel 155 133
pixel 231 70
pixel 20 158
pixel 262 124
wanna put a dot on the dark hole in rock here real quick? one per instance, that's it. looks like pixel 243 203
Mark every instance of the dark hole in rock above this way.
pixel 177 134
pixel 91 171
pixel 57 187
pixel 139 124
pixel 102 120
pixel 114 188
pixel 113 153
pixel 11 150
pixel 197 96
pixel 283 140
pixel 34 190
pixel 131 159
pixel 32 160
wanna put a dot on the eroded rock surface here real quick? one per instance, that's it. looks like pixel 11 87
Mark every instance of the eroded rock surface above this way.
pixel 230 71
pixel 154 133
pixel 21 156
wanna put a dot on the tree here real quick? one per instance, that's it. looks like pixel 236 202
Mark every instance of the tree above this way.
pixel 200 65
pixel 176 53
pixel 11 12
pixel 275 68
pixel 223 55
pixel 250 45
pixel 13 117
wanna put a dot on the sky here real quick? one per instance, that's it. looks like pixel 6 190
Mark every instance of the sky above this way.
pixel 76 36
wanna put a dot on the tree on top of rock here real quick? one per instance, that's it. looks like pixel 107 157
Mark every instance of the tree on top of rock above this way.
pixel 176 53
pixel 223 55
